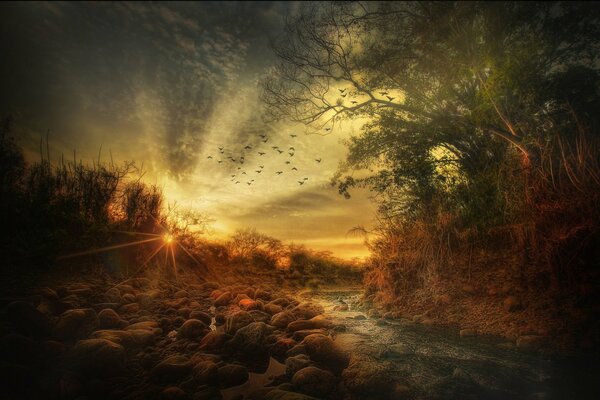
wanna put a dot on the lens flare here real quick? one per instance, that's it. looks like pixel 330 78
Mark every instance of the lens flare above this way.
pixel 168 238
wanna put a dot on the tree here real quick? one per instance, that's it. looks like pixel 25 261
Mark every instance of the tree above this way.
pixel 454 92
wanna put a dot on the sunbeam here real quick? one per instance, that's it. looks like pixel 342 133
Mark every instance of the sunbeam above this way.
pixel 108 248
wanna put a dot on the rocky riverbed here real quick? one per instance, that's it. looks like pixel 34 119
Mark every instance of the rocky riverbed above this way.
pixel 145 339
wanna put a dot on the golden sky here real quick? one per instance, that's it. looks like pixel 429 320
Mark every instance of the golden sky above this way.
pixel 166 85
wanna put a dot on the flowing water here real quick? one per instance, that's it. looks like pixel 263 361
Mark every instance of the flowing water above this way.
pixel 446 366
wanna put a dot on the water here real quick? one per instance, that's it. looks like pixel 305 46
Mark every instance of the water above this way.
pixel 444 365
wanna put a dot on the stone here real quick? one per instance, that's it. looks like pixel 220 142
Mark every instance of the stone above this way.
pixel 74 324
pixel 467 332
pixel 279 394
pixel 252 338
pixel 173 393
pixel 27 319
pixel 236 321
pixel 192 328
pixel 130 308
pixel 307 310
pixel 96 358
pixel 129 298
pixel 262 294
pixel 360 317
pixel 248 304
pixel 206 372
pixel 369 378
pixel 281 347
pixel 314 381
pixel 260 316
pixel 300 335
pixel 109 318
pixel 113 295
pixel 214 340
pixel 223 299
pixel 135 338
pixel 202 316
pixel 296 363
pixel 323 350
pixel 282 320
pixel 181 294
pixel 232 375
pixel 272 309
pixel 171 369
pixel 341 307
pixel 512 304
pixel 314 323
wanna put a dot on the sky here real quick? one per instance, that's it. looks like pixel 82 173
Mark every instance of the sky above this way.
pixel 166 85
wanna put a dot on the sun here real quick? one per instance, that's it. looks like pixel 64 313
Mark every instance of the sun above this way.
pixel 168 238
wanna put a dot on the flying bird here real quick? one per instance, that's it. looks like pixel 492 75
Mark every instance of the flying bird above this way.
pixel 293 135
pixel 260 153
pixel 318 160
pixel 209 157
pixel 261 166
pixel 236 182
pixel 390 98
pixel 279 172
pixel 233 176
pixel 248 147
pixel 327 129
pixel 262 136
pixel 275 147
pixel 342 90
pixel 280 151
pixel 258 171
pixel 354 102
pixel 249 183
pixel 243 172
pixel 383 93
pixel 301 182
pixel 294 169
pixel 291 148
pixel 287 162
pixel 344 95
pixel 265 141
pixel 305 179
pixel 219 161
pixel 291 154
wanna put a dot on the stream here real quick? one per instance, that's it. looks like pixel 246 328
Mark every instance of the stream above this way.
pixel 446 366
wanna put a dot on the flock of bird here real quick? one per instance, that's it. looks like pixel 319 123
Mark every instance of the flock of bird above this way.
pixel 242 173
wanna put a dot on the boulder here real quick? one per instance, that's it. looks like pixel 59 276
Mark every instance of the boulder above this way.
pixel 171 369
pixel 295 364
pixel 74 324
pixel 314 323
pixel 236 321
pixel 252 338
pixel 202 316
pixel 192 328
pixel 272 309
pixel 307 310
pixel 314 381
pixel 108 318
pixel 96 358
pixel 224 299
pixel 372 379
pixel 206 372
pixel 282 320
pixel 214 341
pixel 232 375
pixel 173 393
pixel 323 350
pixel 248 304
pixel 135 338
pixel 281 347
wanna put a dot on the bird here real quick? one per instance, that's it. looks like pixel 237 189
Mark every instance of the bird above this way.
pixel 342 90
pixel 383 93
pixel 291 148
pixel 260 153
pixel 344 95
pixel 248 147
pixel 261 166
pixel 291 154
pixel 287 162
pixel 249 183
pixel 294 169
pixel 236 182
pixel 279 172
pixel 219 161
pixel 265 141
pixel 209 157
pixel 239 167
pixel 251 180
pixel 233 160
pixel 318 160
pixel 305 179
pixel 243 172
pixel 390 98
pixel 280 151
pixel 262 136
pixel 222 151
pixel 301 182
pixel 258 171
pixel 292 135
pixel 233 176
pixel 221 148
pixel 327 129
pixel 354 102
pixel 274 147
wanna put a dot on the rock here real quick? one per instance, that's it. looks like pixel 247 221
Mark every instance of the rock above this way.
pixel 307 310
pixel 531 342
pixel 202 316
pixel 281 301
pixel 223 299
pixel 96 358
pixel 192 328
pixel 108 318
pixel 360 317
pixel 341 307
pixel 397 350
pixel 113 295
pixel 282 320
pixel 171 369
pixel 512 304
pixel 27 319
pixel 295 364
pixel 260 316
pixel 262 294
pixel 232 375
pixel 279 394
pixel 181 294
pixel 281 347
pixel 381 322
pixel 135 338
pixel 323 350
pixel 184 312
pixel 173 393
pixel 300 335
pixel 74 324
pixel 318 322
pixel 130 308
pixel 372 379
pixel 206 372
pixel 146 325
pixel 236 321
pixel 468 332
pixel 272 309
pixel 129 298
pixel 214 340
pixel 252 338
pixel 248 304
pixel 314 381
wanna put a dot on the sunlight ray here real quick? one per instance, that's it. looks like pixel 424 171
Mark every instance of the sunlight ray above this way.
pixel 137 233
pixel 108 248
pixel 141 266
pixel 174 261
